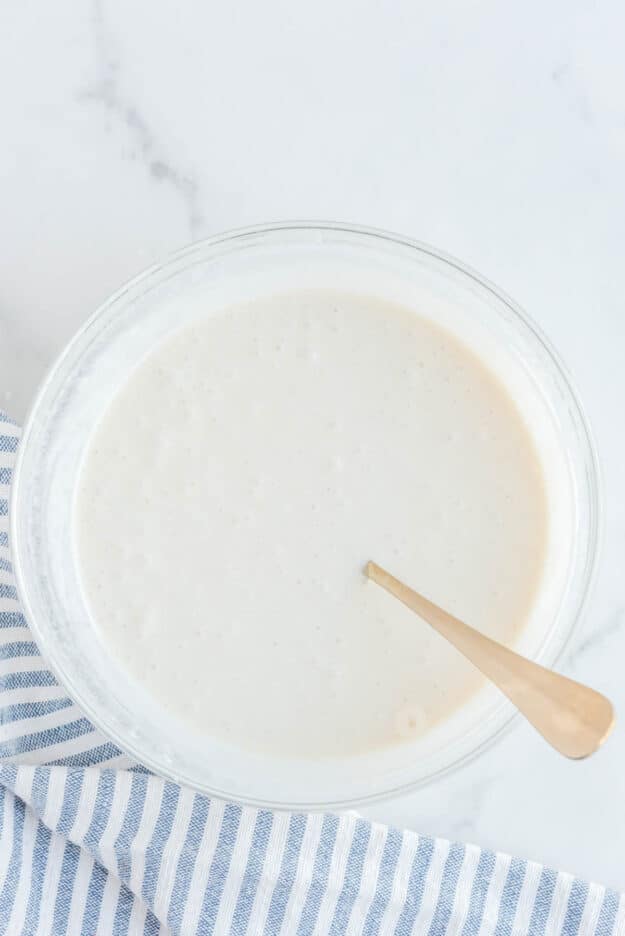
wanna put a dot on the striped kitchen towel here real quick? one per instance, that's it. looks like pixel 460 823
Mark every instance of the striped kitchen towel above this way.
pixel 92 844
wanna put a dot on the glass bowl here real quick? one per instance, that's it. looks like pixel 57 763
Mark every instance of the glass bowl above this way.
pixel 233 267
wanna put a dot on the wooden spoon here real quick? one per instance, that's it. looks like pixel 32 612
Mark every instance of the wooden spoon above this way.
pixel 574 719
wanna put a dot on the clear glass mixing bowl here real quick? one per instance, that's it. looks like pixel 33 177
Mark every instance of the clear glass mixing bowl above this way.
pixel 231 267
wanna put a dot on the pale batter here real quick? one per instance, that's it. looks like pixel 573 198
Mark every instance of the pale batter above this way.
pixel 245 473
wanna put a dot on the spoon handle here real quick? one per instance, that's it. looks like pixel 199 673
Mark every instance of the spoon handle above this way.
pixel 573 718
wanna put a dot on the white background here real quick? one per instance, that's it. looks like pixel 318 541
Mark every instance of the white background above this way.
pixel 493 130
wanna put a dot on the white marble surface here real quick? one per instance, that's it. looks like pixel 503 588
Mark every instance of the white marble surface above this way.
pixel 492 130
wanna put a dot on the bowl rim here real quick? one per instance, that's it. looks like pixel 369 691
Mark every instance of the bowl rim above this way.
pixel 595 529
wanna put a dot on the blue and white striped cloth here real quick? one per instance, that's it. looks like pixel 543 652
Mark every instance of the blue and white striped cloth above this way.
pixel 92 844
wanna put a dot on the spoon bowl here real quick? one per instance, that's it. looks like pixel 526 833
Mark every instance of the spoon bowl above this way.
pixel 571 717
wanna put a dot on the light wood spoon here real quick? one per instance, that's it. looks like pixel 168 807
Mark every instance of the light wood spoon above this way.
pixel 574 719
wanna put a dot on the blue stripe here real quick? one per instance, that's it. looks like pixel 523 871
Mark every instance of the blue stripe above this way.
pixel 8 443
pixel 65 891
pixel 89 758
pixel 5 565
pixel 101 809
pixel 5 475
pixel 44 739
pixel 219 868
pixel 4 538
pixel 479 892
pixel 12 619
pixel 447 889
pixel 18 648
pixel 130 825
pixel 353 876
pixel 7 591
pixel 8 775
pixel 160 835
pixel 39 791
pixel 542 903
pixel 286 875
pixel 7 895
pixel 186 862
pixel 20 710
pixel 94 900
pixel 607 914
pixel 26 680
pixel 575 908
pixel 321 870
pixel 125 903
pixel 71 797
pixel 416 886
pixel 152 926
pixel 253 871
pixel 384 885
pixel 38 870
pixel 509 896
